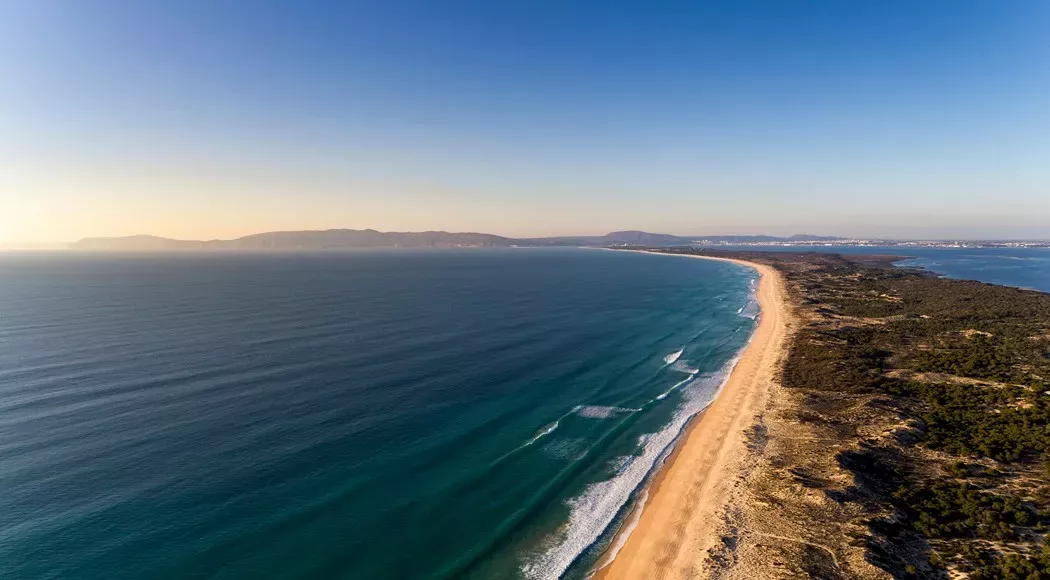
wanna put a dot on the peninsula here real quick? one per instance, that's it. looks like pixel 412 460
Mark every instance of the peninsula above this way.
pixel 885 423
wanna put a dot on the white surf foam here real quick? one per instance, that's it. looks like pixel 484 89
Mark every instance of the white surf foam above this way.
pixel 673 388
pixel 549 428
pixel 671 358
pixel 751 309
pixel 682 367
pixel 596 412
pixel 591 512
pixel 545 431
pixel 626 531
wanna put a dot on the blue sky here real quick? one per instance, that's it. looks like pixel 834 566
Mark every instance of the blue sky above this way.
pixel 210 119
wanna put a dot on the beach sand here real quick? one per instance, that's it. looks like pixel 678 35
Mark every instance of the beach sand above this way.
pixel 684 518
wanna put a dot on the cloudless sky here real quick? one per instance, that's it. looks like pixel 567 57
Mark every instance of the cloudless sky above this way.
pixel 214 119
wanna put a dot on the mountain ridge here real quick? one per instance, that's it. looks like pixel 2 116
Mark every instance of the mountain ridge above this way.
pixel 370 238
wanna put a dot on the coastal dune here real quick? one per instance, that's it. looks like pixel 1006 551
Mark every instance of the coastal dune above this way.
pixel 682 520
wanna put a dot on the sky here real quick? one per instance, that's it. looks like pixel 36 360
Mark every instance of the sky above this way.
pixel 202 119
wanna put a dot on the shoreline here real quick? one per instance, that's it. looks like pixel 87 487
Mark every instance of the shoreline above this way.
pixel 680 517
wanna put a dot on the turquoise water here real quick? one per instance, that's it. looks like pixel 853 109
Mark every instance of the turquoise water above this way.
pixel 387 414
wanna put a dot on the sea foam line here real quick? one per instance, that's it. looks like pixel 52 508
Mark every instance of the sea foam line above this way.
pixel 598 412
pixel 547 430
pixel 751 308
pixel 674 387
pixel 591 513
pixel 544 431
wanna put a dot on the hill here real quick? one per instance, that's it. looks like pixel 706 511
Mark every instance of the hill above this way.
pixel 302 240
pixel 347 239
pixel 335 239
pixel 136 243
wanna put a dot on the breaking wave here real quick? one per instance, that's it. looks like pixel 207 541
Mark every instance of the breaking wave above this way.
pixel 751 309
pixel 682 367
pixel 549 428
pixel 671 358
pixel 591 513
pixel 673 388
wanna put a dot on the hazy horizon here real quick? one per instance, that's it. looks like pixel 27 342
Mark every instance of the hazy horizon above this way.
pixel 779 232
pixel 65 243
pixel 199 120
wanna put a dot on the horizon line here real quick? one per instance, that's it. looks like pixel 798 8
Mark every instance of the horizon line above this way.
pixel 698 237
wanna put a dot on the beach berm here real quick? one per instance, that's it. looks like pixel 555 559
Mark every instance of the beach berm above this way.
pixel 681 520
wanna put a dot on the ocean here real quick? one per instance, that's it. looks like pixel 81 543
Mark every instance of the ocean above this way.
pixel 375 414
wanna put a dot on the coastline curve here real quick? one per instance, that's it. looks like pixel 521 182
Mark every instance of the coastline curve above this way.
pixel 678 522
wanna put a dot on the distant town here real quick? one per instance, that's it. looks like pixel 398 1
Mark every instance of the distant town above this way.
pixel 884 243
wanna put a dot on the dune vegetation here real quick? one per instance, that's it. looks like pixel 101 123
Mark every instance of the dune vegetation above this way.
pixel 937 394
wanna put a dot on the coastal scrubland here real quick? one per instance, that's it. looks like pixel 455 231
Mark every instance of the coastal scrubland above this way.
pixel 909 434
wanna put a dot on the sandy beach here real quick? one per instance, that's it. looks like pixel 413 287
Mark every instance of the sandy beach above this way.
pixel 683 518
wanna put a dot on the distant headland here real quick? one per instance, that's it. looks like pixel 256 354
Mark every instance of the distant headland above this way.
pixel 335 239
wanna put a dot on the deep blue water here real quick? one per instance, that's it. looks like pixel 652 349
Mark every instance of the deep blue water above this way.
pixel 1020 267
pixel 388 414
